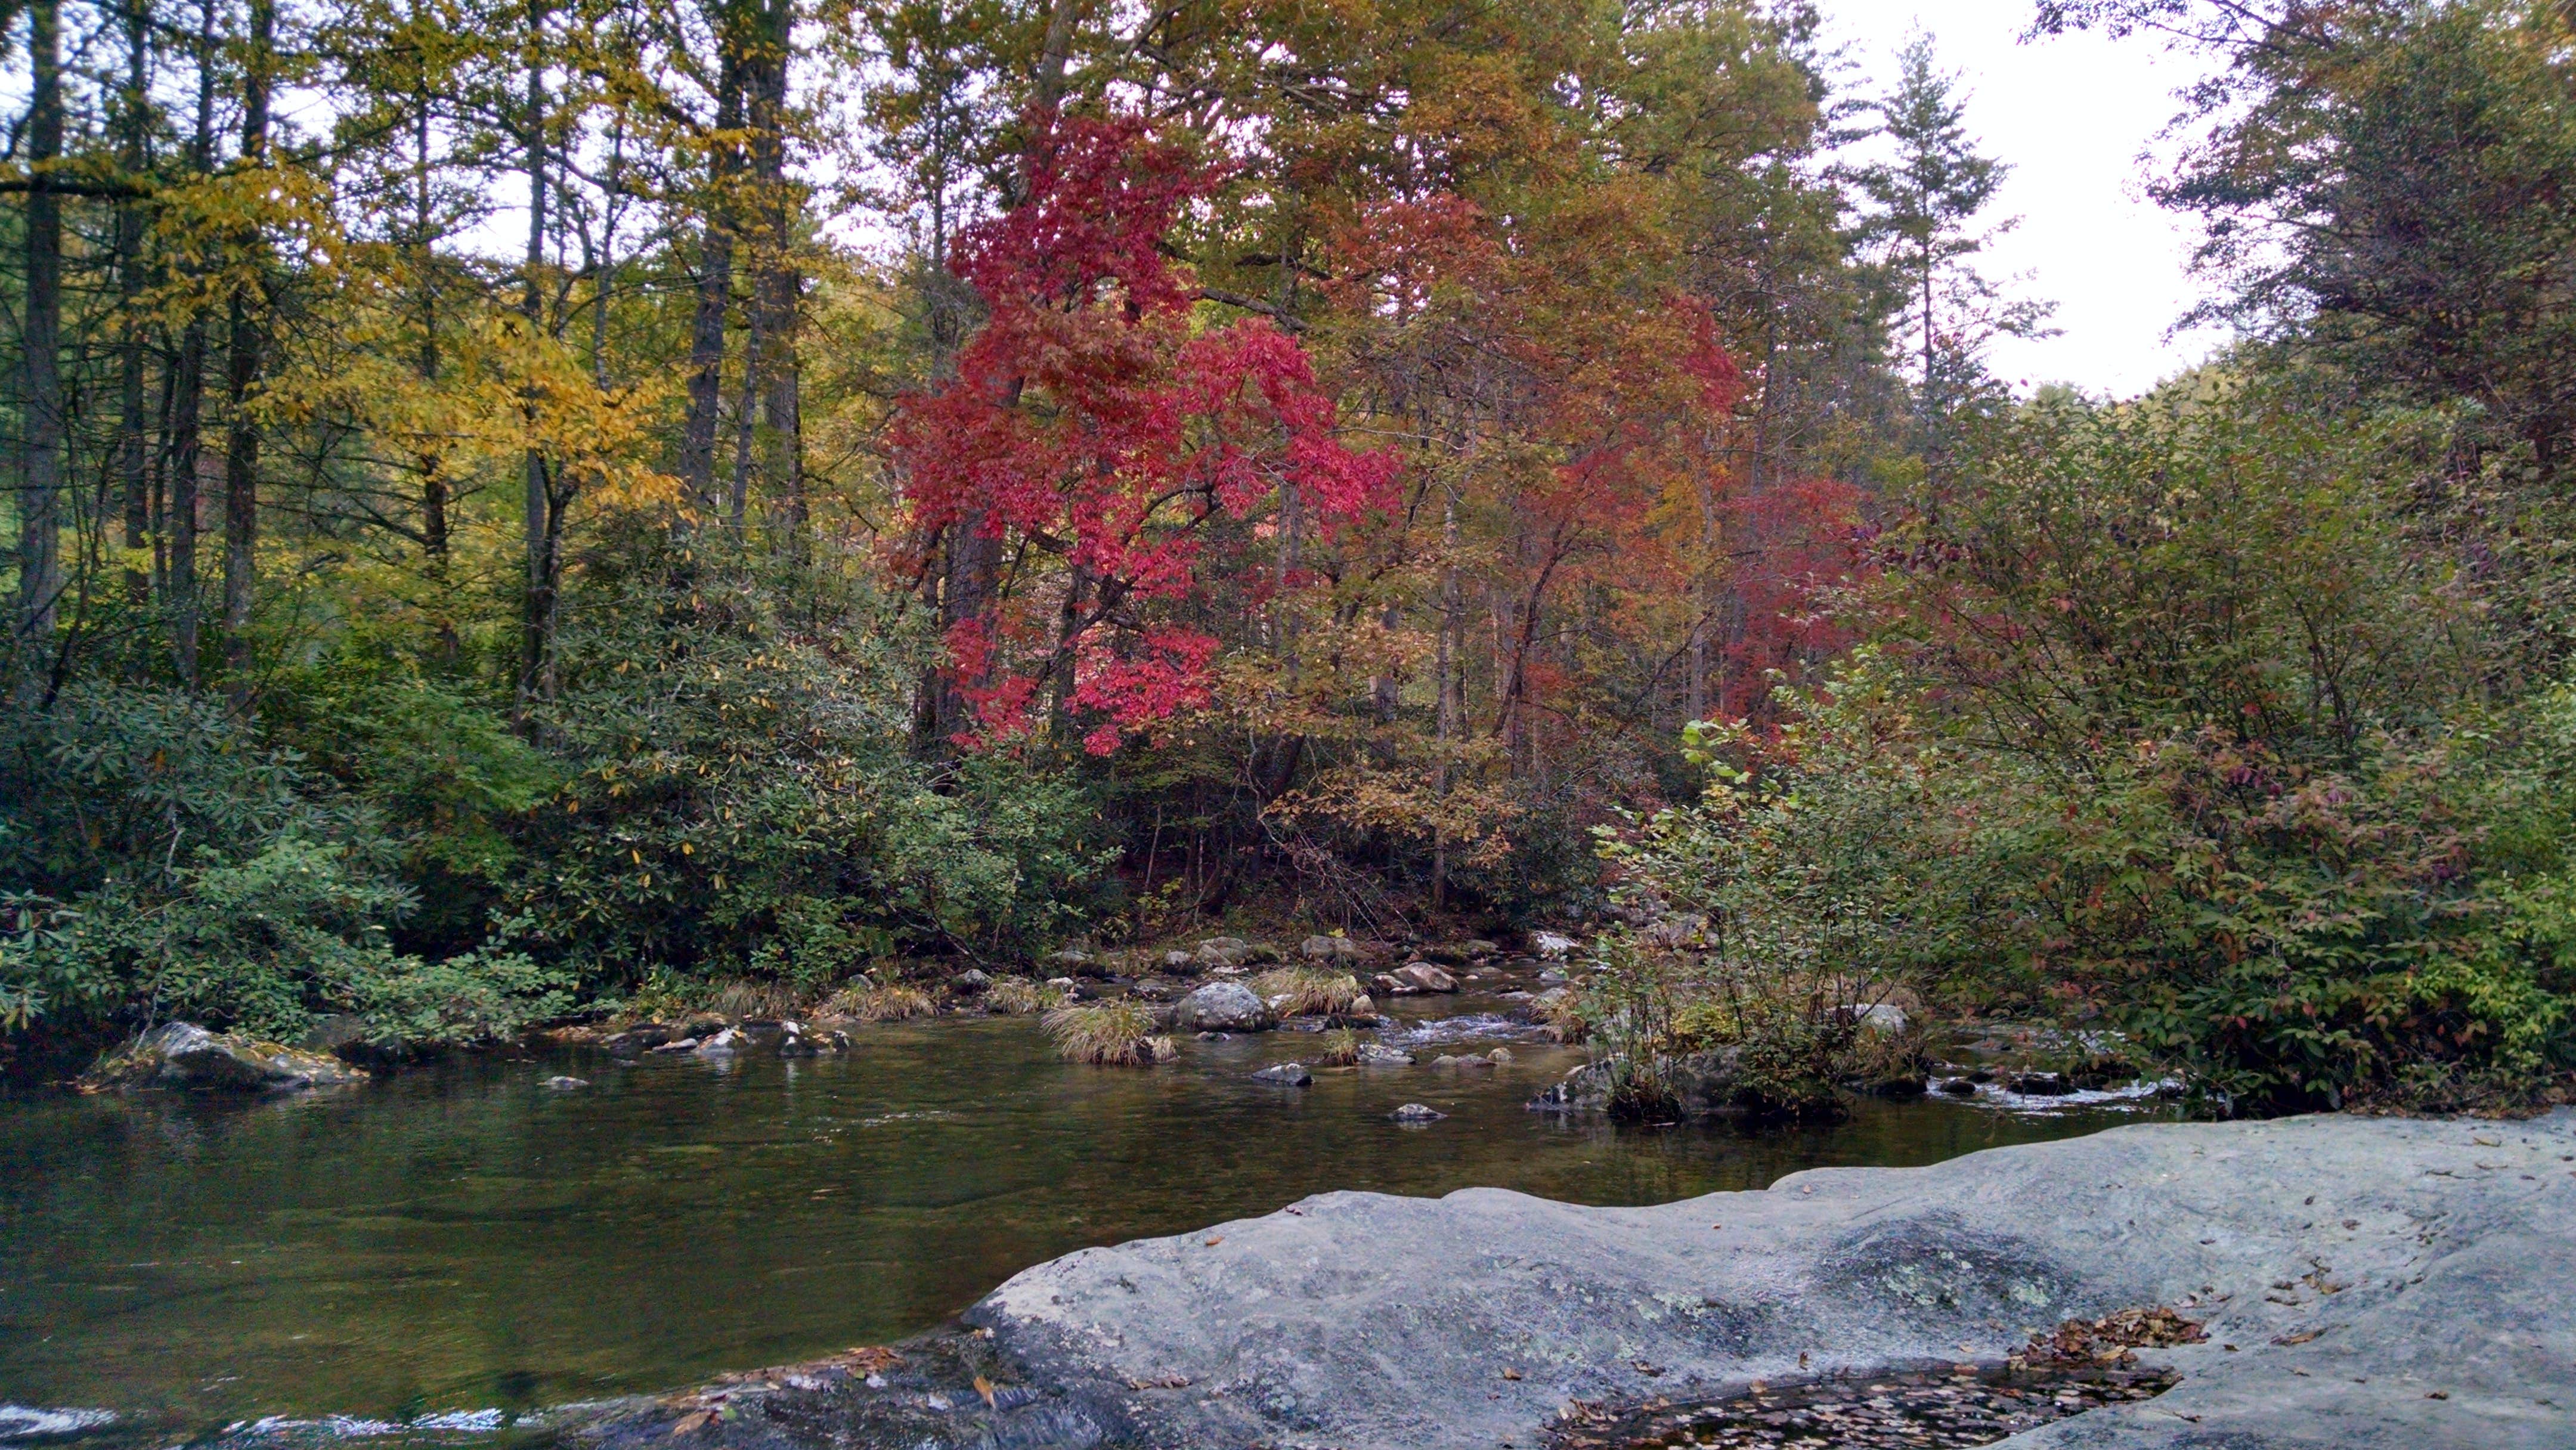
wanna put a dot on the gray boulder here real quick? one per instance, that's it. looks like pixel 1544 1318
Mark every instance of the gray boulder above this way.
pixel 1221 1007
pixel 1334 950
pixel 1423 976
pixel 1884 1018
pixel 972 982
pixel 723 1044
pixel 1286 1074
pixel 1417 1113
pixel 1378 1054
pixel 188 1058
pixel 2427 1266
pixel 563 1084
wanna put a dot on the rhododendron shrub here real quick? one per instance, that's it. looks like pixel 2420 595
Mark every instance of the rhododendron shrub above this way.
pixel 1097 434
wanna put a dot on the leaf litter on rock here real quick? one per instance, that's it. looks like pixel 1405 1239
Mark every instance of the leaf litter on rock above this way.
pixel 2078 1366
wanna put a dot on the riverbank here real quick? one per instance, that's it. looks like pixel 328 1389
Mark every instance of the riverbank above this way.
pixel 2365 1284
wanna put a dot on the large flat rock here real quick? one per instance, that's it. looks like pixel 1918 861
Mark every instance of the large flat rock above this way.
pixel 2367 1283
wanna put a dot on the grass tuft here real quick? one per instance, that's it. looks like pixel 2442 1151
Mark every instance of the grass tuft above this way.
pixel 1341 1048
pixel 1308 990
pixel 1105 1034
pixel 744 998
pixel 1018 996
pixel 889 1003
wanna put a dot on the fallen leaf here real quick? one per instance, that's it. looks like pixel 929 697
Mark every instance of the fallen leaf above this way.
pixel 692 1424
pixel 1215 1239
pixel 2301 1337
pixel 1511 1374
pixel 984 1387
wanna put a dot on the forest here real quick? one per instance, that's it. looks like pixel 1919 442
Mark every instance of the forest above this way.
pixel 543 508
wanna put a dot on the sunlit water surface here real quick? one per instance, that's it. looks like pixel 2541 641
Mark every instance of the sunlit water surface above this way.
pixel 461 1238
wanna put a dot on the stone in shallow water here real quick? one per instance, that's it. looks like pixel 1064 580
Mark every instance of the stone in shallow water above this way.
pixel 563 1084
pixel 1424 977
pixel 1286 1074
pixel 1417 1113
pixel 1378 1054
pixel 27 1422
pixel 1221 1007
pixel 186 1056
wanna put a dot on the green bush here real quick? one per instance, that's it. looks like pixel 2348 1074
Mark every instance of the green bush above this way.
pixel 162 861
pixel 740 796
pixel 2168 725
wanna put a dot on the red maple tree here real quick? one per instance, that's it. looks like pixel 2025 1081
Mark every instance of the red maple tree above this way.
pixel 1095 432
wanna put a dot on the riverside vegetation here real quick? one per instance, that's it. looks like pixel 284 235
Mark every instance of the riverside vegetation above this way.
pixel 491 547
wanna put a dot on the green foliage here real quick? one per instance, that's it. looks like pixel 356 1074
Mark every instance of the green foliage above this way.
pixel 488 995
pixel 741 797
pixel 165 862
pixel 2170 724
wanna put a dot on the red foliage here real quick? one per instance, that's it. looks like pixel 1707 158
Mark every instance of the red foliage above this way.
pixel 1089 427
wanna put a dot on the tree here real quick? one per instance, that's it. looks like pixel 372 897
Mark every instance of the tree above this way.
pixel 1104 446
pixel 1927 200
pixel 40 496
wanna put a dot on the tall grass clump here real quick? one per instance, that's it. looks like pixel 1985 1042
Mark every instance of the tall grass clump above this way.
pixel 1341 1048
pixel 883 1002
pixel 1105 1034
pixel 1018 997
pixel 1307 991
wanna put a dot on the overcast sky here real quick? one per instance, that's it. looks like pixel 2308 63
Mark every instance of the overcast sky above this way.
pixel 2072 115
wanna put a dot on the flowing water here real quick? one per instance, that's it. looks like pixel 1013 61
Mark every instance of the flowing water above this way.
pixel 460 1238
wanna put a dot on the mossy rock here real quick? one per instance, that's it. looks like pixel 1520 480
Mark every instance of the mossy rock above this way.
pixel 185 1057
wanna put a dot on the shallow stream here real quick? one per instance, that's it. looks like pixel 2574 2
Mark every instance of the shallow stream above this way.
pixel 462 1239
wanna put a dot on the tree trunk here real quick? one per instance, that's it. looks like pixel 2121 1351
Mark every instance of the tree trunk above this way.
pixel 541 529
pixel 40 500
pixel 246 324
pixel 185 446
pixel 715 278
pixel 133 426
pixel 1450 719
pixel 769 414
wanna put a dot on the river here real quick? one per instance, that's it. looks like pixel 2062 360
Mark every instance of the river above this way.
pixel 460 1238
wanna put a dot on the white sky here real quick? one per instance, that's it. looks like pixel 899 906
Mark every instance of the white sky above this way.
pixel 2072 115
